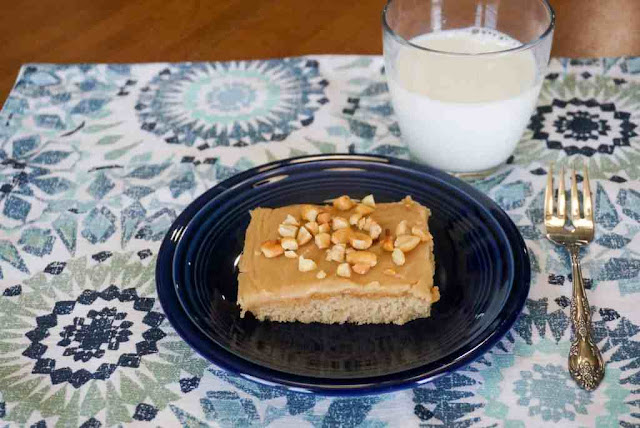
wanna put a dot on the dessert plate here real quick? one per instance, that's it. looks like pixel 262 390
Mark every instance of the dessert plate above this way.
pixel 482 269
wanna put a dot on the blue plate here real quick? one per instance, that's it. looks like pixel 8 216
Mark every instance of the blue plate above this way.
pixel 482 269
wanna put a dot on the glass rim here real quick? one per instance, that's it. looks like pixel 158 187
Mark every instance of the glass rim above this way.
pixel 525 46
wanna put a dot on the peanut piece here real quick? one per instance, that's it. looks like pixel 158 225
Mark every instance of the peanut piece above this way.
pixel 291 220
pixel 336 253
pixel 309 212
pixel 398 257
pixel 364 209
pixel 360 241
pixel 324 228
pixel 387 243
pixel 406 243
pixel 420 233
pixel 343 203
pixel 375 230
pixel 340 223
pixel 287 230
pixel 369 201
pixel 321 275
pixel 402 228
pixel 271 249
pixel 389 272
pixel 341 236
pixel 408 201
pixel 306 265
pixel 323 240
pixel 362 222
pixel 362 257
pixel 354 219
pixel 367 224
pixel 289 243
pixel 344 270
pixel 323 218
pixel 360 268
pixel 303 236
pixel 290 254
pixel 312 227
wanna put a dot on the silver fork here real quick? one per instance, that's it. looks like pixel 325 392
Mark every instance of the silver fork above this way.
pixel 585 361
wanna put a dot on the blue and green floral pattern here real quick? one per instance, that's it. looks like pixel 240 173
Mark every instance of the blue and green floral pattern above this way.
pixel 96 161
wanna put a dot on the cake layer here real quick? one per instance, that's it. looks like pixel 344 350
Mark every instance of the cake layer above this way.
pixel 346 308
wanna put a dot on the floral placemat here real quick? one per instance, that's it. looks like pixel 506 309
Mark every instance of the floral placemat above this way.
pixel 96 161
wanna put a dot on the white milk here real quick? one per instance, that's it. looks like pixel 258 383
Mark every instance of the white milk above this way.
pixel 463 113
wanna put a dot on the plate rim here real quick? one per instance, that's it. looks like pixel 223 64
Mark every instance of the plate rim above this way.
pixel 221 357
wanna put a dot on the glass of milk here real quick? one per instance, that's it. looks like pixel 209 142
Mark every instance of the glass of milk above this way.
pixel 464 76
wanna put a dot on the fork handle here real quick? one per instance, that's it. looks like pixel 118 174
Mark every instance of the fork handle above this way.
pixel 585 361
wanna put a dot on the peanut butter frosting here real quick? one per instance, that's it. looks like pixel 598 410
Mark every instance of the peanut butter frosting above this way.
pixel 265 280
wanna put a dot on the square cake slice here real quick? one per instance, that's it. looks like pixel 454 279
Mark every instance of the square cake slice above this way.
pixel 356 262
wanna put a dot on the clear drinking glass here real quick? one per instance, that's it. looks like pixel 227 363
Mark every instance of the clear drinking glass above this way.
pixel 464 76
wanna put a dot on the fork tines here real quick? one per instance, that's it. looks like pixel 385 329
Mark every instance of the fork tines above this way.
pixel 559 211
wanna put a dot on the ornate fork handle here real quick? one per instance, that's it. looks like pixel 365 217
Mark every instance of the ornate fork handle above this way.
pixel 585 361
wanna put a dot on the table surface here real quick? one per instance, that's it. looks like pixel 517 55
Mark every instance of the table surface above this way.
pixel 192 30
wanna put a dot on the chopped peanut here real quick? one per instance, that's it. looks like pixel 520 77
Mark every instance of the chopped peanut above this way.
pixel 420 233
pixel 321 275
pixel 303 236
pixel 364 257
pixel 341 236
pixel 344 270
pixel 390 272
pixel 375 230
pixel 368 224
pixel 361 268
pixel 340 223
pixel 387 243
pixel 362 222
pixel 398 257
pixel 324 228
pixel 364 209
pixel 312 227
pixel 360 241
pixel 290 254
pixel 306 265
pixel 289 243
pixel 291 220
pixel 343 203
pixel 402 228
pixel 287 230
pixel 353 220
pixel 309 212
pixel 271 249
pixel 369 201
pixel 336 253
pixel 406 243
pixel 323 218
pixel 323 240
